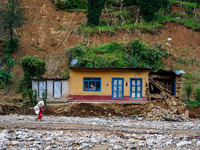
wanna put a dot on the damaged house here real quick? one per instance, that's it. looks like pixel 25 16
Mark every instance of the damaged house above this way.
pixel 132 85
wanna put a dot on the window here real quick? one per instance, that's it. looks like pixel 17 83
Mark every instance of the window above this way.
pixel 42 88
pixel 57 93
pixel 91 84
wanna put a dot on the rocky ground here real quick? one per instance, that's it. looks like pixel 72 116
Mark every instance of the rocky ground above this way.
pixel 23 132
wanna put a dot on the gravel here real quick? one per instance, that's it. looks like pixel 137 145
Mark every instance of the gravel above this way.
pixel 75 133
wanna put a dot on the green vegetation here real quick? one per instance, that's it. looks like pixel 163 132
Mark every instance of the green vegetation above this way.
pixel 71 4
pixel 33 67
pixel 192 103
pixel 11 16
pixel 11 46
pixel 132 54
pixel 5 72
pixel 130 2
pixel 44 98
pixel 197 94
pixel 148 8
pixel 116 19
pixel 188 89
pixel 40 49
pixel 94 11
pixel 29 97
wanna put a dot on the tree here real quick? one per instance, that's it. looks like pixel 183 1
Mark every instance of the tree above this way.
pixel 148 8
pixel 33 67
pixel 94 11
pixel 188 89
pixel 11 16
pixel 197 94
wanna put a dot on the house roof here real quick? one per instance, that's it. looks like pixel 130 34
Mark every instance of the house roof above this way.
pixel 134 68
pixel 57 79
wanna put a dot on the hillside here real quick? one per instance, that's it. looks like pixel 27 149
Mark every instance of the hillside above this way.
pixel 49 32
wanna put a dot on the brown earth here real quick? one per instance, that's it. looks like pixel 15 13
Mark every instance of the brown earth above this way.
pixel 93 109
pixel 49 32
pixel 79 109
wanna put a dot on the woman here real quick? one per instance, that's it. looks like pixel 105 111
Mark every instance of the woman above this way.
pixel 40 114
pixel 39 108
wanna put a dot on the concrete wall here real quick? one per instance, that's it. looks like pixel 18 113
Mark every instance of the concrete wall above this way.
pixel 76 80
pixel 65 89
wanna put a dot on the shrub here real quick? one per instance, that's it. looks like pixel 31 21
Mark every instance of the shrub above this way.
pixel 130 2
pixel 117 55
pixel 68 4
pixel 44 98
pixel 30 97
pixel 33 67
pixel 188 89
pixel 145 54
pixel 148 8
pixel 197 94
pixel 94 11
pixel 5 73
pixel 11 46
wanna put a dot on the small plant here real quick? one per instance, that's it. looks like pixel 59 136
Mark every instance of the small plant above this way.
pixel 188 89
pixel 29 97
pixel 60 27
pixel 40 49
pixel 11 46
pixel 197 94
pixel 44 98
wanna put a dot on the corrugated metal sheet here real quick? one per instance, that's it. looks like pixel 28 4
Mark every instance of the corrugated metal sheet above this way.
pixel 178 72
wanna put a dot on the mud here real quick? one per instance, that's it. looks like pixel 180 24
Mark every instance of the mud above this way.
pixel 91 109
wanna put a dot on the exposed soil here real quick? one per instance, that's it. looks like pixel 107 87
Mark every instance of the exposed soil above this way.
pixel 50 31
pixel 92 109
pixel 79 109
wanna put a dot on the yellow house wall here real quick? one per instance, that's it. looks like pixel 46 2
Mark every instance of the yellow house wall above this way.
pixel 76 80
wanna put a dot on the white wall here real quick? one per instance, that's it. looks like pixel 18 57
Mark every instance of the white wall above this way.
pixel 65 89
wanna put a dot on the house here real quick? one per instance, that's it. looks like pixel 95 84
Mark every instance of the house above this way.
pixel 56 88
pixel 108 84
pixel 135 85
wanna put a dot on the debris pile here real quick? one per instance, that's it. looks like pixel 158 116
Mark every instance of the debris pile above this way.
pixel 160 113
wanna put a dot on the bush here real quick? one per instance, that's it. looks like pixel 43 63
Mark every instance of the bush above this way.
pixel 148 8
pixel 197 94
pixel 130 2
pixel 147 56
pixel 117 55
pixel 44 98
pixel 11 46
pixel 68 4
pixel 30 97
pixel 94 11
pixel 33 67
pixel 5 73
pixel 188 89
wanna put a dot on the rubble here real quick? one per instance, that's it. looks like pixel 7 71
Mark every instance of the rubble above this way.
pixel 107 133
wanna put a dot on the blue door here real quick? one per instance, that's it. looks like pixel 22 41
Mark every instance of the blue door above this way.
pixel 136 88
pixel 118 88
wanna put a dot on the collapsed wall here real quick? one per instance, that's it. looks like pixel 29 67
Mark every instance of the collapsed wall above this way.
pixel 165 87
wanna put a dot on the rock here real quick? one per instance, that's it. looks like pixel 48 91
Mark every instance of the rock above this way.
pixel 150 107
pixel 14 143
pixel 182 143
pixel 31 139
pixel 48 148
pixel 198 143
pixel 84 145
